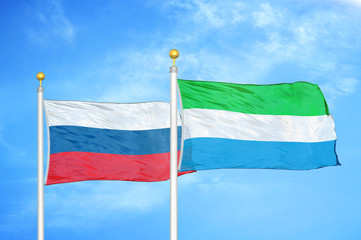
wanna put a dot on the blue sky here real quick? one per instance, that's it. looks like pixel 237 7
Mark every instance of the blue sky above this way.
pixel 118 51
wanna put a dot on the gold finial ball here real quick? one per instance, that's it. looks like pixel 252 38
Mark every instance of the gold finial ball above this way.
pixel 40 76
pixel 173 53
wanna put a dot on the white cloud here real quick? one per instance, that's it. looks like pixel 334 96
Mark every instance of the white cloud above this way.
pixel 353 2
pixel 268 16
pixel 304 34
pixel 53 23
pixel 338 87
pixel 215 14
pixel 347 85
pixel 300 40
pixel 305 41
pixel 133 76
pixel 311 42
pixel 218 15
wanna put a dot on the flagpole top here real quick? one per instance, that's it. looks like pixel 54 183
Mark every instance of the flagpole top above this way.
pixel 40 76
pixel 173 54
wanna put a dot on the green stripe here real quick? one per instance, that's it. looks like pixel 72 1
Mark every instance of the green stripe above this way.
pixel 298 99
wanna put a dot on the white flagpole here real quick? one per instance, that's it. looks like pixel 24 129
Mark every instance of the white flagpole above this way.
pixel 173 148
pixel 40 76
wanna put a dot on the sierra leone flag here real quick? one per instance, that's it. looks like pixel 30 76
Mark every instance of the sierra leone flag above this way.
pixel 280 126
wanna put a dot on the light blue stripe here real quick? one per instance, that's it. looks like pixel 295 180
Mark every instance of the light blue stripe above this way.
pixel 215 153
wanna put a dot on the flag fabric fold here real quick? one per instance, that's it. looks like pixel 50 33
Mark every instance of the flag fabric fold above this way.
pixel 281 126
pixel 108 141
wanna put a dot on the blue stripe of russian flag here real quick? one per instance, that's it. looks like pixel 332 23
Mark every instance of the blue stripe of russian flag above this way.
pixel 124 142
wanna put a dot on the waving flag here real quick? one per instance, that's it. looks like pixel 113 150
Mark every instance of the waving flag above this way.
pixel 282 126
pixel 108 141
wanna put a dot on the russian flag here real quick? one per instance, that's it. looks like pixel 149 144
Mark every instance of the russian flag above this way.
pixel 108 141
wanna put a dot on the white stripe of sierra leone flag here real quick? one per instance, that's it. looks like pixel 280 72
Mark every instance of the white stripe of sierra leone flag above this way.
pixel 280 126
